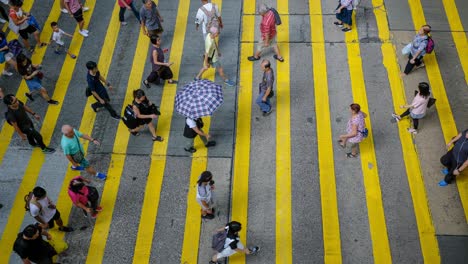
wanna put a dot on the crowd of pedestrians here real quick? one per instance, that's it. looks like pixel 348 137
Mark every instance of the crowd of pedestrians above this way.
pixel 30 245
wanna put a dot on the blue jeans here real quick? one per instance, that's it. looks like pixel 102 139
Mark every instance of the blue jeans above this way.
pixel 123 9
pixel 264 106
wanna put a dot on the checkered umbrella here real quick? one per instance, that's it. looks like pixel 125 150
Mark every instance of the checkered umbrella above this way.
pixel 199 98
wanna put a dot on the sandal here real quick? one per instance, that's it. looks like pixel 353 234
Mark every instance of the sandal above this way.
pixel 278 59
pixel 136 133
pixel 253 58
pixel 341 145
pixel 351 155
pixel 157 138
pixel 337 23
pixel 173 82
pixel 42 44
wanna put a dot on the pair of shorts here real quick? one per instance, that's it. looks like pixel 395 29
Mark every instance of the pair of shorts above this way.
pixel 78 15
pixel 155 32
pixel 227 252
pixel 34 84
pixel 25 32
pixel 417 116
pixel 260 46
pixel 5 56
pixel 84 163
pixel 55 217
pixel 345 16
pixel 144 121
pixel 216 64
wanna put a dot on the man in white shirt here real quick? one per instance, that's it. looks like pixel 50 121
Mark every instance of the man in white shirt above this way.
pixel 44 211
pixel 202 17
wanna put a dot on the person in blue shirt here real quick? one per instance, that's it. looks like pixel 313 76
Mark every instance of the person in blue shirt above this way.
pixel 95 84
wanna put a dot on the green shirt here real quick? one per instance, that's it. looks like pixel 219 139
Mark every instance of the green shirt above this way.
pixel 72 145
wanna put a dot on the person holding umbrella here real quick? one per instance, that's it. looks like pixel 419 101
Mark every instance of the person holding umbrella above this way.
pixel 197 99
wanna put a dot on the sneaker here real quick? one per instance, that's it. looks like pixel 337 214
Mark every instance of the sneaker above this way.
pixel 3 21
pixel 196 79
pixel 101 176
pixel 210 144
pixel 443 183
pixel 413 131
pixel 208 216
pixel 123 23
pixel 268 113
pixel 422 65
pixel 65 229
pixel 146 84
pixel 53 102
pixel 73 56
pixel 445 171
pixel 229 82
pixel 254 250
pixel 396 117
pixel 77 168
pixel 85 31
pixel 252 58
pixel 85 8
pixel 99 209
pixel 84 34
pixel 64 10
pixel 29 96
pixel 116 117
pixel 7 73
pixel 346 30
pixel 191 149
pixel 48 150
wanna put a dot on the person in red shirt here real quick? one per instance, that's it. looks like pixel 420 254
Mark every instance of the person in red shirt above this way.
pixel 130 5
pixel 84 196
pixel 268 30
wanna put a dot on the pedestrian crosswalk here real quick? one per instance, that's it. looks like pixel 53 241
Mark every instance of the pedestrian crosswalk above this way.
pixel 267 192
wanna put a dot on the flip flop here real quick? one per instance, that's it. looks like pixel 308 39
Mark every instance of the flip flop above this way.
pixel 157 138
pixel 351 155
pixel 341 145
pixel 252 58
pixel 278 59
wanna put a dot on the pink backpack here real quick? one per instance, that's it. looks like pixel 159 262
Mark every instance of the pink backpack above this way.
pixel 430 45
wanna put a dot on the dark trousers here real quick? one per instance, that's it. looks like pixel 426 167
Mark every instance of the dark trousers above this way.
pixel 415 120
pixel 409 67
pixel 109 108
pixel 164 73
pixel 34 138
pixel 3 13
pixel 450 162
pixel 134 10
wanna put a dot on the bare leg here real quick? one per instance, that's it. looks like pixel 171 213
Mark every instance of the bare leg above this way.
pixel 91 171
pixel 26 44
pixel 258 53
pixel 81 25
pixel 277 51
pixel 1 93
pixel 221 73
pixel 44 94
pixel 151 129
pixel 136 129
pixel 37 37
pixel 202 70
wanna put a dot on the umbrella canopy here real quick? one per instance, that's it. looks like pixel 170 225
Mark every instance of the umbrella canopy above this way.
pixel 199 98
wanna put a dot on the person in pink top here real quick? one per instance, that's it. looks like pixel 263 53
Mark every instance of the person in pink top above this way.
pixel 268 30
pixel 84 196
pixel 130 5
pixel 354 131
pixel 75 9
pixel 417 109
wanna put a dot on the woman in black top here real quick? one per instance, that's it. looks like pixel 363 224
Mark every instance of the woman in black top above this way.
pixel 145 112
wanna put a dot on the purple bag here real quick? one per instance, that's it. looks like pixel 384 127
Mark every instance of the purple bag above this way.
pixel 15 47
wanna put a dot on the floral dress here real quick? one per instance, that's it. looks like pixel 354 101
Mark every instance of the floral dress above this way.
pixel 359 121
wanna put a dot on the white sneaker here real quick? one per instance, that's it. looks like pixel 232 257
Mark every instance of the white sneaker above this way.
pixel 85 31
pixel 123 23
pixel 64 10
pixel 412 130
pixel 396 117
pixel 7 73
pixel 84 34
pixel 3 21
pixel 85 8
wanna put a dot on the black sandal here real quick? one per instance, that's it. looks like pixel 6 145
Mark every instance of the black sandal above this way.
pixel 173 82
pixel 341 145
pixel 157 138
pixel 351 155
pixel 253 58
pixel 278 59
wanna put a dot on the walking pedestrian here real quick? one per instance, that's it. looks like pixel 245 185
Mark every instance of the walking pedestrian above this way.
pixel 211 58
pixel 33 77
pixel 73 149
pixel 159 68
pixel 130 5
pixel 84 196
pixel 150 19
pixel 20 20
pixel 17 117
pixel 191 130
pixel 57 36
pixel 354 131
pixel 75 9
pixel 95 84
pixel 208 15
pixel 145 112
pixel 265 91
pixel 344 15
pixel 418 50
pixel 4 14
pixel 6 56
pixel 418 107
pixel 205 187
pixel 44 210
pixel 232 244
pixel 64 10
pixel 268 32
pixel 30 246
pixel 456 159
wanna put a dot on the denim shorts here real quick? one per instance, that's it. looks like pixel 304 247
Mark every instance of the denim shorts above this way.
pixel 34 84
pixel 415 116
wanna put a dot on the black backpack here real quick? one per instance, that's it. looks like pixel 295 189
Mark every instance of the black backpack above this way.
pixel 218 241
pixel 129 118
pixel 277 16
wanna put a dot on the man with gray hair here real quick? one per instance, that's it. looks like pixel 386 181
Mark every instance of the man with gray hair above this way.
pixel 265 89
pixel 268 31
pixel 150 19
pixel 211 57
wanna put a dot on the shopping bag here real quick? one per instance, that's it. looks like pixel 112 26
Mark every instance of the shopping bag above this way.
pixel 406 50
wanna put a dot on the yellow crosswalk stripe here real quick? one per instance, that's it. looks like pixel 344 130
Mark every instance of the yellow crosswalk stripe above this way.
pixel 190 244
pixel 241 168
pixel 444 111
pixel 64 203
pixel 375 208
pixel 283 144
pixel 330 221
pixel 37 157
pixel 36 58
pixel 428 241
pixel 151 199
pixel 461 43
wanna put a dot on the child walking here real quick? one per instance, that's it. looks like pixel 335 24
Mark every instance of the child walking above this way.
pixel 57 38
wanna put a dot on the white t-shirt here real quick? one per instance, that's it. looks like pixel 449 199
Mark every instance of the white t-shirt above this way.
pixel 190 123
pixel 46 213
pixel 202 18
pixel 57 37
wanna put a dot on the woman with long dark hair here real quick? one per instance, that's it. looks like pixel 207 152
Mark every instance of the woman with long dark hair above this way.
pixel 145 111
pixel 205 187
